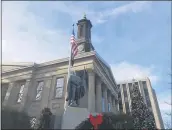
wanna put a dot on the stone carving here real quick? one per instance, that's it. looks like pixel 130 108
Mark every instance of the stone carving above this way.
pixel 76 88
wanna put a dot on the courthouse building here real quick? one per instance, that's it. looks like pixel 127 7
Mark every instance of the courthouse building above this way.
pixel 149 96
pixel 30 87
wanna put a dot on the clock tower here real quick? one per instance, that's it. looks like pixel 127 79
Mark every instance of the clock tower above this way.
pixel 84 35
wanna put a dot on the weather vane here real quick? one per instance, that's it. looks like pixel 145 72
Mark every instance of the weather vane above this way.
pixel 84 16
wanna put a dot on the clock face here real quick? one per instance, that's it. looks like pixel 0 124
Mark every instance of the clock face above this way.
pixel 81 47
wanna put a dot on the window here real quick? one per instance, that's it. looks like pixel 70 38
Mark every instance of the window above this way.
pixel 136 83
pixel 130 88
pixel 144 84
pixel 125 94
pixel 148 101
pixel 118 86
pixel 81 30
pixel 20 93
pixel 103 105
pixel 33 122
pixel 120 105
pixel 126 99
pixel 109 107
pixel 145 88
pixel 146 91
pixel 119 95
pixel 39 90
pixel 113 101
pixel 59 87
pixel 125 90
pixel 127 107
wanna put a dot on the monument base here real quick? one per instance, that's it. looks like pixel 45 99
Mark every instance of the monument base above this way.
pixel 73 116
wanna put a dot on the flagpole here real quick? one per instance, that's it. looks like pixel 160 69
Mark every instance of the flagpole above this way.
pixel 69 70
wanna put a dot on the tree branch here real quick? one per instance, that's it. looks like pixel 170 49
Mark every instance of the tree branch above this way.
pixel 168 103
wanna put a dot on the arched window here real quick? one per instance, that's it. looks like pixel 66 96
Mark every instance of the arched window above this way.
pixel 81 30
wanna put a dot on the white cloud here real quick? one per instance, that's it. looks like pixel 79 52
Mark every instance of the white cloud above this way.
pixel 24 37
pixel 126 71
pixel 134 7
pixel 98 17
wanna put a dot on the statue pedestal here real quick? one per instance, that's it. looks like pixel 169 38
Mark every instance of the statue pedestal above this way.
pixel 73 116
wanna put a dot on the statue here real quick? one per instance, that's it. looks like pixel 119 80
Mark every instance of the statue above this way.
pixel 76 87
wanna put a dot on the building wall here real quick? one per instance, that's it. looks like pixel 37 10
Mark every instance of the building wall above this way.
pixel 48 75
pixel 149 97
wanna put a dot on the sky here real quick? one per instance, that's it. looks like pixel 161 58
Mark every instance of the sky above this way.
pixel 133 37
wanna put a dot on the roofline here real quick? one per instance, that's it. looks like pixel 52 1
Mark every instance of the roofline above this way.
pixel 82 55
pixel 62 60
pixel 18 63
pixel 131 80
pixel 99 57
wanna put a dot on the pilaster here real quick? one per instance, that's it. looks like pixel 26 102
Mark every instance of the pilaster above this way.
pixel 91 91
pixel 105 98
pixel 99 95
pixel 24 98
pixel 6 99
pixel 46 93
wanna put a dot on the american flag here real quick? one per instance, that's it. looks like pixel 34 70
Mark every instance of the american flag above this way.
pixel 74 47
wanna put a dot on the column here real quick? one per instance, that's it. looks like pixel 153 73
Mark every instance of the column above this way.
pixel 24 98
pixel 105 98
pixel 91 91
pixel 99 95
pixel 6 99
pixel 46 93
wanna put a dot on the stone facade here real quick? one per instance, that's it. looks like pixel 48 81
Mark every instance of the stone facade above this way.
pixel 100 82
pixel 148 94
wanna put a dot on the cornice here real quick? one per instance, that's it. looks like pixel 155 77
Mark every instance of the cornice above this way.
pixel 107 73
pixel 82 55
pixel 106 65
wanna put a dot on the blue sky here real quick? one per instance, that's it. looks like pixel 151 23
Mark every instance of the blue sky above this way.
pixel 133 37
